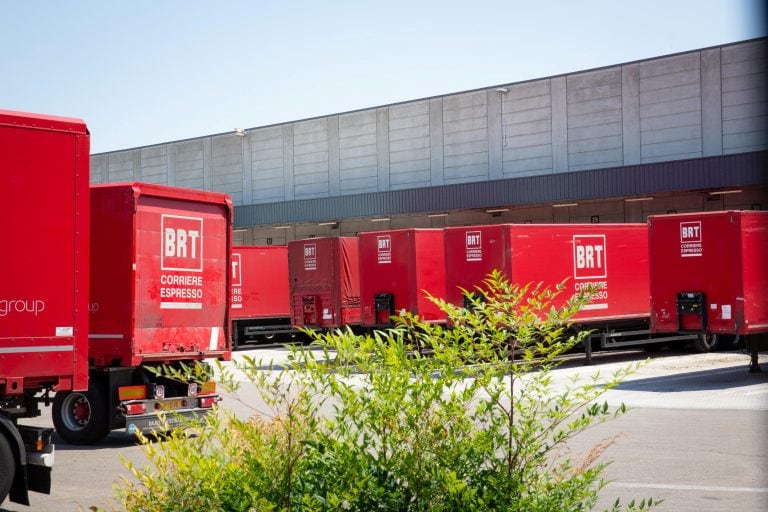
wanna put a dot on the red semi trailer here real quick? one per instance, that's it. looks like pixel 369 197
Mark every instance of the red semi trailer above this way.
pixel 611 257
pixel 260 302
pixel 160 267
pixel 397 267
pixel 324 282
pixel 709 276
pixel 44 286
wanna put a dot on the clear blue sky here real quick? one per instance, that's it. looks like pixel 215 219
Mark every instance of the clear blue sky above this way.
pixel 145 72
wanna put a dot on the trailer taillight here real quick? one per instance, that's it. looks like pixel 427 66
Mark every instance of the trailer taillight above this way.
pixel 208 388
pixel 131 393
pixel 131 409
pixel 207 402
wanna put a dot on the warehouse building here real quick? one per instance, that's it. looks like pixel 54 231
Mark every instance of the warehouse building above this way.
pixel 677 133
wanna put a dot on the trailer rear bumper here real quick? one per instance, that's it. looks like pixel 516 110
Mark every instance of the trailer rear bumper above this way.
pixel 163 421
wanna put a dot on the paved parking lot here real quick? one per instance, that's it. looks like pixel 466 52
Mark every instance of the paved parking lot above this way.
pixel 697 435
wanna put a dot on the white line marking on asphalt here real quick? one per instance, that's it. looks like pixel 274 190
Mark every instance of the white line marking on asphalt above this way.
pixel 762 490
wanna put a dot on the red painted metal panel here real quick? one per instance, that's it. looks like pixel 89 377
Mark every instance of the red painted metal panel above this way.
pixel 754 254
pixel 324 282
pixel 613 257
pixel 160 274
pixel 260 282
pixel 720 255
pixel 44 285
pixel 405 263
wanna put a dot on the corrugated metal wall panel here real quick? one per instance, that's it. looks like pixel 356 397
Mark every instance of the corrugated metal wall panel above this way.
pixel 680 175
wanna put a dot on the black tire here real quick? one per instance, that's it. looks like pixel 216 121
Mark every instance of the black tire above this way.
pixel 82 418
pixel 706 342
pixel 7 467
pixel 730 341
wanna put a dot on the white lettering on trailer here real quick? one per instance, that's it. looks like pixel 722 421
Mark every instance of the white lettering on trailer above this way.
pixel 181 242
pixel 589 256
pixel 590 259
pixel 600 292
pixel 10 306
pixel 590 268
pixel 181 287
pixel 237 269
pixel 181 280
pixel 176 242
pixel 237 298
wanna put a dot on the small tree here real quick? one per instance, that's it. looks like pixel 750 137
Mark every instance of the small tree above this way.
pixel 420 417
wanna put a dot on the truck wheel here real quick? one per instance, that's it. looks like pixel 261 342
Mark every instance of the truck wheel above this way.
pixel 730 341
pixel 81 418
pixel 706 342
pixel 7 467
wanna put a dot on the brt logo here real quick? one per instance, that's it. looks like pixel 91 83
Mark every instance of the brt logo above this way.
pixel 237 269
pixel 589 257
pixel 690 232
pixel 182 243
pixel 474 246
pixel 474 240
pixel 384 247
pixel 310 256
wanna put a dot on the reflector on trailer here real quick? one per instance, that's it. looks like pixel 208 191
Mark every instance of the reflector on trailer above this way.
pixel 132 393
pixel 131 409
pixel 208 388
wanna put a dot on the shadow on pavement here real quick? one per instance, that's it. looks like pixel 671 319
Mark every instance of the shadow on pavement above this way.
pixel 115 439
pixel 710 379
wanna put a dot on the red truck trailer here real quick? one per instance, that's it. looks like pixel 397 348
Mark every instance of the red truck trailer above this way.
pixel 397 267
pixel 709 276
pixel 260 302
pixel 611 257
pixel 44 286
pixel 160 267
pixel 324 282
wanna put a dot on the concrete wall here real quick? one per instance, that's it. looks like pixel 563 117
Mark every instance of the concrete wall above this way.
pixel 701 103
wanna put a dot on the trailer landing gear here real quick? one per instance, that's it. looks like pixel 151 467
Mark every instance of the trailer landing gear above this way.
pixel 753 344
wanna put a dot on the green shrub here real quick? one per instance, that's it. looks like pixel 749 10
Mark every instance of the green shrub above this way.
pixel 420 417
